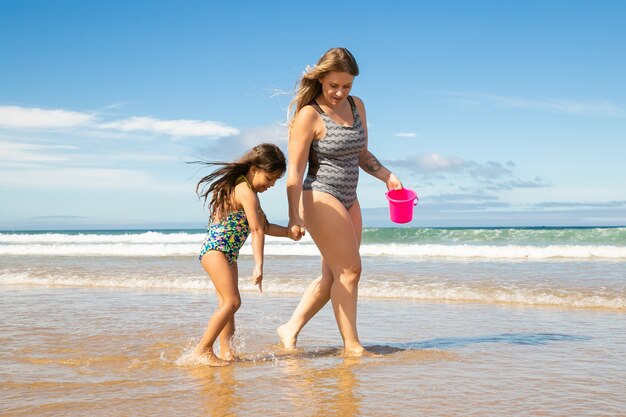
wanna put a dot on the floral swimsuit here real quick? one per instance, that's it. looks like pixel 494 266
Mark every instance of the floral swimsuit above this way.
pixel 227 235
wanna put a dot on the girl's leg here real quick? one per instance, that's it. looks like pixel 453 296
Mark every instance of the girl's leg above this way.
pixel 221 273
pixel 334 231
pixel 226 335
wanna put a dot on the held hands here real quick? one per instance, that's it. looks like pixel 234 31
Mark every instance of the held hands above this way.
pixel 295 232
pixel 257 277
pixel 295 229
pixel 393 182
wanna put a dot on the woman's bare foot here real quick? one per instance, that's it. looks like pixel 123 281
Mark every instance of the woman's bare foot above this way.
pixel 287 338
pixel 210 359
pixel 356 352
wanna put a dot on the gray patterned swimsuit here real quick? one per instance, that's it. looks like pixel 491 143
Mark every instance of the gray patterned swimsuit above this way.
pixel 334 160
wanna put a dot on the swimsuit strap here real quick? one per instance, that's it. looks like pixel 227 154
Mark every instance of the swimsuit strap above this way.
pixel 242 178
pixel 317 107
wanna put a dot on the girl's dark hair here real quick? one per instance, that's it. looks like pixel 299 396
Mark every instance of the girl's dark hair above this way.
pixel 220 184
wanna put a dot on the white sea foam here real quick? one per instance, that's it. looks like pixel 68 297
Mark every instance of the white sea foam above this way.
pixel 614 299
pixel 57 280
pixel 496 252
pixel 161 244
pixel 272 247
pixel 501 295
pixel 80 238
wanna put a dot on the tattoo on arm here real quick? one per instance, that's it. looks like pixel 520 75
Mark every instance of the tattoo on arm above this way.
pixel 371 164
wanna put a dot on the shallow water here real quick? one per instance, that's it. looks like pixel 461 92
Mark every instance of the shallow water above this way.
pixel 493 322
pixel 94 351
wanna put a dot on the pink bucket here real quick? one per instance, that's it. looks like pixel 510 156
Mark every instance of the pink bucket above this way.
pixel 401 203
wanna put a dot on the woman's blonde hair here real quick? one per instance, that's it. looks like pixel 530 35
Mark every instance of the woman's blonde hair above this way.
pixel 335 59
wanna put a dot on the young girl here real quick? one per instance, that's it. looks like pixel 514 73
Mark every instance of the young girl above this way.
pixel 235 213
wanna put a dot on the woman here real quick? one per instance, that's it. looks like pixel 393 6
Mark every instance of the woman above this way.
pixel 329 131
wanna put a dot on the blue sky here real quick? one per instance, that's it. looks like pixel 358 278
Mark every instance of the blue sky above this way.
pixel 498 113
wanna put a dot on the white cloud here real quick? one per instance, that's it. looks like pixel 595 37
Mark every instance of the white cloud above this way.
pixel 35 118
pixel 434 162
pixel 488 176
pixel 71 178
pixel 15 117
pixel 28 152
pixel 590 107
pixel 233 147
pixel 406 134
pixel 277 134
pixel 179 128
pixel 429 163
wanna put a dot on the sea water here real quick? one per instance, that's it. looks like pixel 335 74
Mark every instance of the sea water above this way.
pixel 462 322
pixel 571 267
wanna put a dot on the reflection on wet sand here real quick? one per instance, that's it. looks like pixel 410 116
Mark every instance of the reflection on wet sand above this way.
pixel 312 382
pixel 218 390
pixel 324 391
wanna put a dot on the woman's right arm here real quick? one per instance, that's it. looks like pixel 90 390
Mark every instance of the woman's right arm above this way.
pixel 301 135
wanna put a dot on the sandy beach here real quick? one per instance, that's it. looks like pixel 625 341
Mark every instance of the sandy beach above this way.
pixel 102 352
pixel 111 335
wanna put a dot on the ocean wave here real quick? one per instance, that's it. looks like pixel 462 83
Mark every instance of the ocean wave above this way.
pixel 274 248
pixel 612 236
pixel 529 243
pixel 99 238
pixel 605 298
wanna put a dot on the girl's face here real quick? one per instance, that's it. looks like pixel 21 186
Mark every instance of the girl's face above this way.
pixel 336 86
pixel 262 180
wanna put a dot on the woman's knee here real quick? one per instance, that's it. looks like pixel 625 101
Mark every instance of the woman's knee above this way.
pixel 351 274
pixel 323 287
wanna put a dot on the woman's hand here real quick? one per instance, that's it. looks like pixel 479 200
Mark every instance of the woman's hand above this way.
pixel 295 229
pixel 294 233
pixel 393 182
pixel 257 277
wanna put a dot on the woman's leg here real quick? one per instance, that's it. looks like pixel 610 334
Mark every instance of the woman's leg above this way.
pixel 332 228
pixel 221 273
pixel 316 294
pixel 314 298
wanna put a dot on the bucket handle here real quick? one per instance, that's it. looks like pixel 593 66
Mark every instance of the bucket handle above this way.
pixel 415 201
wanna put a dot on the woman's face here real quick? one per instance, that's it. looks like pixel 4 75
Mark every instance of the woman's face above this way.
pixel 336 86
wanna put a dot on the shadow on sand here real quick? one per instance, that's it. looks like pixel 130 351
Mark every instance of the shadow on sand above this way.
pixel 533 339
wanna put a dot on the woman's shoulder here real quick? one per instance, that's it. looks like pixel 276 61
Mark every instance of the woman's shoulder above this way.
pixel 309 112
pixel 359 105
pixel 306 116
pixel 358 101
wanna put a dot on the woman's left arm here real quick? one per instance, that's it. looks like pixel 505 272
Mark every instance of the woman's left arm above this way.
pixel 368 162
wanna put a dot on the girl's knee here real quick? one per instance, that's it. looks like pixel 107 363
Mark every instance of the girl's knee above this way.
pixel 231 304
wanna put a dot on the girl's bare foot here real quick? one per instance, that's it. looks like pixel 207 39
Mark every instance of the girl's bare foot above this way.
pixel 287 338
pixel 210 359
pixel 227 355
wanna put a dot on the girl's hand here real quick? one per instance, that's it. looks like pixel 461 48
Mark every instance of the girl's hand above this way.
pixel 296 229
pixel 393 183
pixel 257 277
pixel 294 233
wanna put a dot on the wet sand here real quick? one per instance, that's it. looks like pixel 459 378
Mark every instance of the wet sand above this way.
pixel 77 351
